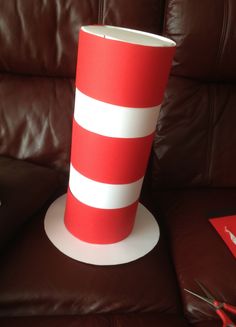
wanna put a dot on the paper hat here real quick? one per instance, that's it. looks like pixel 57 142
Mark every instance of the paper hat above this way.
pixel 120 81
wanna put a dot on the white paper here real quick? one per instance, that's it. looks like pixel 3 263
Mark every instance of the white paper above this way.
pixel 142 240
pixel 114 121
pixel 103 195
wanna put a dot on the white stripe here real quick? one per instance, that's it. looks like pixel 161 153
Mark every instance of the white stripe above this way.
pixel 102 195
pixel 128 35
pixel 115 121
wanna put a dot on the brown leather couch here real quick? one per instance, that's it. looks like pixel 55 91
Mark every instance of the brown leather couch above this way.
pixel 191 174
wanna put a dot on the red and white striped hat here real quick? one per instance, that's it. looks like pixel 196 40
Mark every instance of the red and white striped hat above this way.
pixel 120 81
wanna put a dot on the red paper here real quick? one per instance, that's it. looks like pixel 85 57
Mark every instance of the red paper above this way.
pixel 108 159
pixel 99 226
pixel 121 73
pixel 226 227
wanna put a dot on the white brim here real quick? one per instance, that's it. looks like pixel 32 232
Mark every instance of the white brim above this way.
pixel 142 240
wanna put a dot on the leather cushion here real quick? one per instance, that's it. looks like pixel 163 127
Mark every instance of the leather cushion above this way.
pixel 205 35
pixel 48 105
pixel 24 189
pixel 197 249
pixel 37 279
pixel 195 140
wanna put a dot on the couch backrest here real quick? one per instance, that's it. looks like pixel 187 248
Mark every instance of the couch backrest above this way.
pixel 38 49
pixel 196 139
pixel 196 136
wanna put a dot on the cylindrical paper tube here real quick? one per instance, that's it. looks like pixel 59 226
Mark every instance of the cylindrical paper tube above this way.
pixel 120 81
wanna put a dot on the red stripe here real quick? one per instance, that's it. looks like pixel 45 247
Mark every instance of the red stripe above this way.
pixel 108 159
pixel 122 73
pixel 100 226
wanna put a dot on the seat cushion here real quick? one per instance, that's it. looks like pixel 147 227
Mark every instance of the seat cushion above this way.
pixel 197 249
pixel 103 320
pixel 24 189
pixel 38 280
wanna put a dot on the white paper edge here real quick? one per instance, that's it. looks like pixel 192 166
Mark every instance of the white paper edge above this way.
pixel 128 35
pixel 142 240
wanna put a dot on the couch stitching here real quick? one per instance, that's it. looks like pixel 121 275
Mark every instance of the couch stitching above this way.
pixel 212 95
pixel 209 142
pixel 101 12
pixel 212 133
pixel 224 33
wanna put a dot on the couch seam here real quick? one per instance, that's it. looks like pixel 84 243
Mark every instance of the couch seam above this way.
pixel 209 144
pixel 25 75
pixel 212 95
pixel 164 22
pixel 101 11
pixel 224 33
